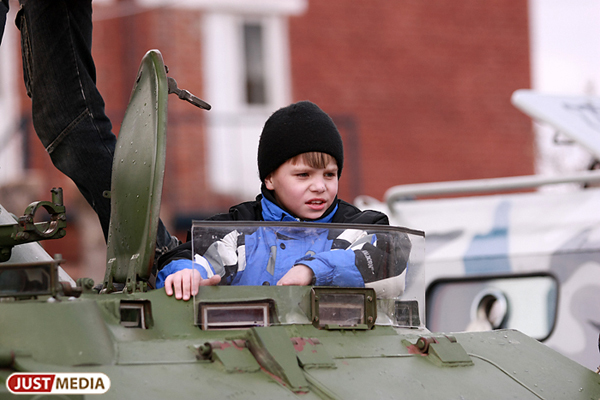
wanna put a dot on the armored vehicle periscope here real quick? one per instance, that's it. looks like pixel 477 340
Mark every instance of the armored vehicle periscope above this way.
pixel 260 342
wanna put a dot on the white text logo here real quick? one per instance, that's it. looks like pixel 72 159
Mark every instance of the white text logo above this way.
pixel 58 383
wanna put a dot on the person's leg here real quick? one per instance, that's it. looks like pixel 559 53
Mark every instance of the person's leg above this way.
pixel 67 109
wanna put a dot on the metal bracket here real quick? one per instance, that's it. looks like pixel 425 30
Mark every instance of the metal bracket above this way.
pixel 185 95
pixel 443 351
pixel 233 354
pixel 26 230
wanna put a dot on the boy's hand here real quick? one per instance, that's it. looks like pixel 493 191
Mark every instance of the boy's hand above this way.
pixel 299 275
pixel 186 283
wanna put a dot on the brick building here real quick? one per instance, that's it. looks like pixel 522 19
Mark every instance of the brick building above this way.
pixel 419 89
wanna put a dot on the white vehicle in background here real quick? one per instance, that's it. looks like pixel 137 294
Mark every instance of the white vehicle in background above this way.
pixel 528 261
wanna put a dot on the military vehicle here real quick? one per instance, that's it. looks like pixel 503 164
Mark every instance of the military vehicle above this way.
pixel 533 258
pixel 265 342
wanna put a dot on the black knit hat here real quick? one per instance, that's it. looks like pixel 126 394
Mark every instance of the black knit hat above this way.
pixel 298 128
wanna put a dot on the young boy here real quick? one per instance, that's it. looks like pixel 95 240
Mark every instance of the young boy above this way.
pixel 300 160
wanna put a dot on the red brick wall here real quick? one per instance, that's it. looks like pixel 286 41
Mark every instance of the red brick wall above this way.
pixel 428 84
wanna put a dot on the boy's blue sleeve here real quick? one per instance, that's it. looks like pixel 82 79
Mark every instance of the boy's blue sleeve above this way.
pixel 175 266
pixel 334 268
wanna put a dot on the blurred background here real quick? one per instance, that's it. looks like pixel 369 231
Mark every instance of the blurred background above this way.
pixel 420 91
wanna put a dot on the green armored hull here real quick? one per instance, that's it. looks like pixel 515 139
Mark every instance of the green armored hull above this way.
pixel 175 358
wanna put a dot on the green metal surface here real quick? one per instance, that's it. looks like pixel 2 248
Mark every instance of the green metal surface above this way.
pixel 311 353
pixel 62 333
pixel 85 335
pixel 273 349
pixel 235 358
pixel 138 171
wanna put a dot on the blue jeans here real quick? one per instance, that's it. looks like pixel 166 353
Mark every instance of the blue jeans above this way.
pixel 67 109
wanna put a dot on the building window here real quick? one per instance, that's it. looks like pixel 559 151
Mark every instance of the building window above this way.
pixel 254 64
pixel 247 77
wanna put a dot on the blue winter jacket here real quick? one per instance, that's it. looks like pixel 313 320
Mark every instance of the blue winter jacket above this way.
pixel 265 256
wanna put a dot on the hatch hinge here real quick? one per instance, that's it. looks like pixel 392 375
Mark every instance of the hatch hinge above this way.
pixel 443 351
pixel 233 354
pixel 266 348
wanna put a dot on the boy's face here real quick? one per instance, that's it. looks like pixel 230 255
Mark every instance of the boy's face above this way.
pixel 305 191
